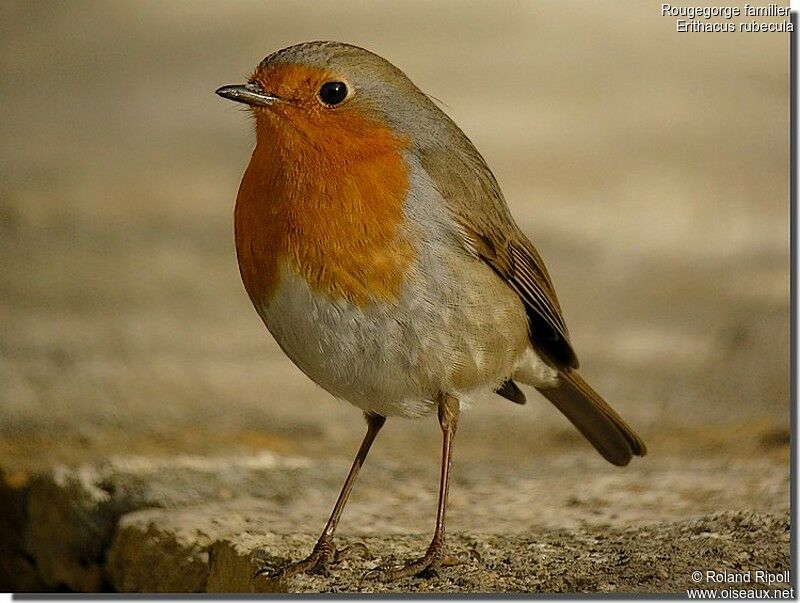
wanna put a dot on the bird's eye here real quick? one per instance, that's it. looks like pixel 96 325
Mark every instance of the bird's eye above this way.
pixel 333 93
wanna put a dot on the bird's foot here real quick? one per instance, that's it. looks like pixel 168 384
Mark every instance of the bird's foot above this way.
pixel 324 555
pixel 427 566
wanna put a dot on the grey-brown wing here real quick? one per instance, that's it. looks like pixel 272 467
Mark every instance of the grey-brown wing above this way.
pixel 488 230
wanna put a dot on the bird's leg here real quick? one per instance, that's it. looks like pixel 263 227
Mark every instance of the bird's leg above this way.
pixel 430 562
pixel 325 552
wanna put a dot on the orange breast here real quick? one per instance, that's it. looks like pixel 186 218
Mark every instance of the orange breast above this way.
pixel 324 193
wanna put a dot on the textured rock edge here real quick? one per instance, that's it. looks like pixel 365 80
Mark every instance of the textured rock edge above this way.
pixel 138 527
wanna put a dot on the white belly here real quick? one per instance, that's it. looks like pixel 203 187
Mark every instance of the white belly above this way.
pixel 441 335
pixel 355 354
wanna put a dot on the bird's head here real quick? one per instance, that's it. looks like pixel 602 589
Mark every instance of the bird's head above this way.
pixel 334 96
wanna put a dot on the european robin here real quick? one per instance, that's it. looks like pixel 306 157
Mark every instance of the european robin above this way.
pixel 377 247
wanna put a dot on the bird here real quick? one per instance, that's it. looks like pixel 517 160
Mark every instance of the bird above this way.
pixel 378 249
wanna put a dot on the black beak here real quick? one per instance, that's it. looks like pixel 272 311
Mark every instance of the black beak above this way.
pixel 249 94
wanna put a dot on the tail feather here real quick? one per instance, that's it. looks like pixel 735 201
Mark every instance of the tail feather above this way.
pixel 511 391
pixel 594 418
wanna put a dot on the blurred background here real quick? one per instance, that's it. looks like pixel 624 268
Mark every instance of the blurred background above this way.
pixel 649 167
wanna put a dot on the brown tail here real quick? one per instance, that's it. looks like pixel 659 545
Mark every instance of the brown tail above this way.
pixel 595 419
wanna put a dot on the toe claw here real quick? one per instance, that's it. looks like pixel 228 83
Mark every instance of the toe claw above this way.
pixel 318 562
pixel 358 550
pixel 269 572
pixel 376 573
pixel 427 566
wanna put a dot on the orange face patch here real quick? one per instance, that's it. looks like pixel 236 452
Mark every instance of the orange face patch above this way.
pixel 296 84
pixel 324 191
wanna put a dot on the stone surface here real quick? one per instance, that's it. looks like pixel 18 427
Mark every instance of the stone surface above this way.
pixel 154 559
pixel 67 516
pixel 194 551
pixel 194 524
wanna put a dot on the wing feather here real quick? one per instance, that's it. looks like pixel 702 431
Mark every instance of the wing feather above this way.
pixel 487 229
